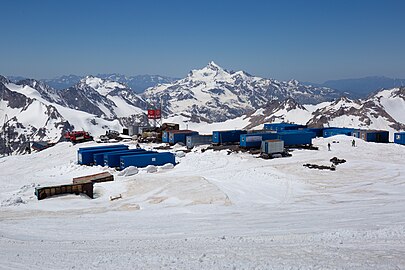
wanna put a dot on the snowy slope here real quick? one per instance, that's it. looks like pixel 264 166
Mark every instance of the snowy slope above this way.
pixel 393 101
pixel 216 94
pixel 78 119
pixel 28 118
pixel 104 98
pixel 382 111
pixel 33 116
pixel 212 211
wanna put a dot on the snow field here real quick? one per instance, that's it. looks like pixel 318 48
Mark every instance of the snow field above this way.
pixel 212 211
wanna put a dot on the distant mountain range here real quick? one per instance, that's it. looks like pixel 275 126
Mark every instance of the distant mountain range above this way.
pixel 361 87
pixel 34 111
pixel 353 88
pixel 137 83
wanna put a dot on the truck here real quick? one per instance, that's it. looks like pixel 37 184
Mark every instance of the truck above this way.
pixel 77 136
pixel 110 135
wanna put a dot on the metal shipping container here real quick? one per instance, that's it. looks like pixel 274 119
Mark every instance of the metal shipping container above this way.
pixel 272 146
pixel 99 158
pixel 113 160
pixel 81 149
pixel 227 136
pixel 318 131
pixel 144 160
pixel 260 131
pixel 86 157
pixel 337 131
pixel 165 136
pixel 381 136
pixel 195 140
pixel 254 140
pixel 179 136
pixel 283 126
pixel 296 137
pixel 399 138
pixel 100 147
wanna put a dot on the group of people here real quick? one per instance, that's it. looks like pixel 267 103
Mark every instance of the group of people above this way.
pixel 353 144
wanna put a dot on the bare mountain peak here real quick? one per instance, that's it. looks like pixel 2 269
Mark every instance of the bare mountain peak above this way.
pixel 344 100
pixel 3 79
pixel 291 104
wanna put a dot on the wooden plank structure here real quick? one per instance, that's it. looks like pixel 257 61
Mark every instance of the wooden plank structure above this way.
pixel 83 184
pixel 84 188
pixel 94 178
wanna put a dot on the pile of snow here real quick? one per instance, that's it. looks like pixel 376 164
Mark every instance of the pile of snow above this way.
pixel 180 154
pixel 167 166
pixel 13 201
pixel 128 171
pixel 151 169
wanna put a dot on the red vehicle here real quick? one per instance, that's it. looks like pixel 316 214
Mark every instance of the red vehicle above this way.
pixel 78 136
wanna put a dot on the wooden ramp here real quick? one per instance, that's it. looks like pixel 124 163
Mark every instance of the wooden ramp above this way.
pixel 94 178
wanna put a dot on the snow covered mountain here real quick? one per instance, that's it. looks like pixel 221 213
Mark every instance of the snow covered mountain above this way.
pixel 216 94
pixel 384 110
pixel 36 112
pixel 47 92
pixel 27 118
pixel 103 98
pixel 137 83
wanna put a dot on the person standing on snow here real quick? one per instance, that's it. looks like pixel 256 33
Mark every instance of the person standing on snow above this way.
pixel 353 143
pixel 328 146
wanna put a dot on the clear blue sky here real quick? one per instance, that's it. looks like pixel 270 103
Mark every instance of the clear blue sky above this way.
pixel 303 39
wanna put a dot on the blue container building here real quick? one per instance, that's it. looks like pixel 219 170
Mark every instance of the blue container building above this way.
pixel 318 131
pixel 328 132
pixel 81 149
pixel 296 137
pixel 179 136
pixel 380 136
pixel 113 159
pixel 227 136
pixel 254 140
pixel 283 126
pixel 99 147
pixel 399 138
pixel 196 140
pixel 85 156
pixel 143 160
pixel 165 136
pixel 99 158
